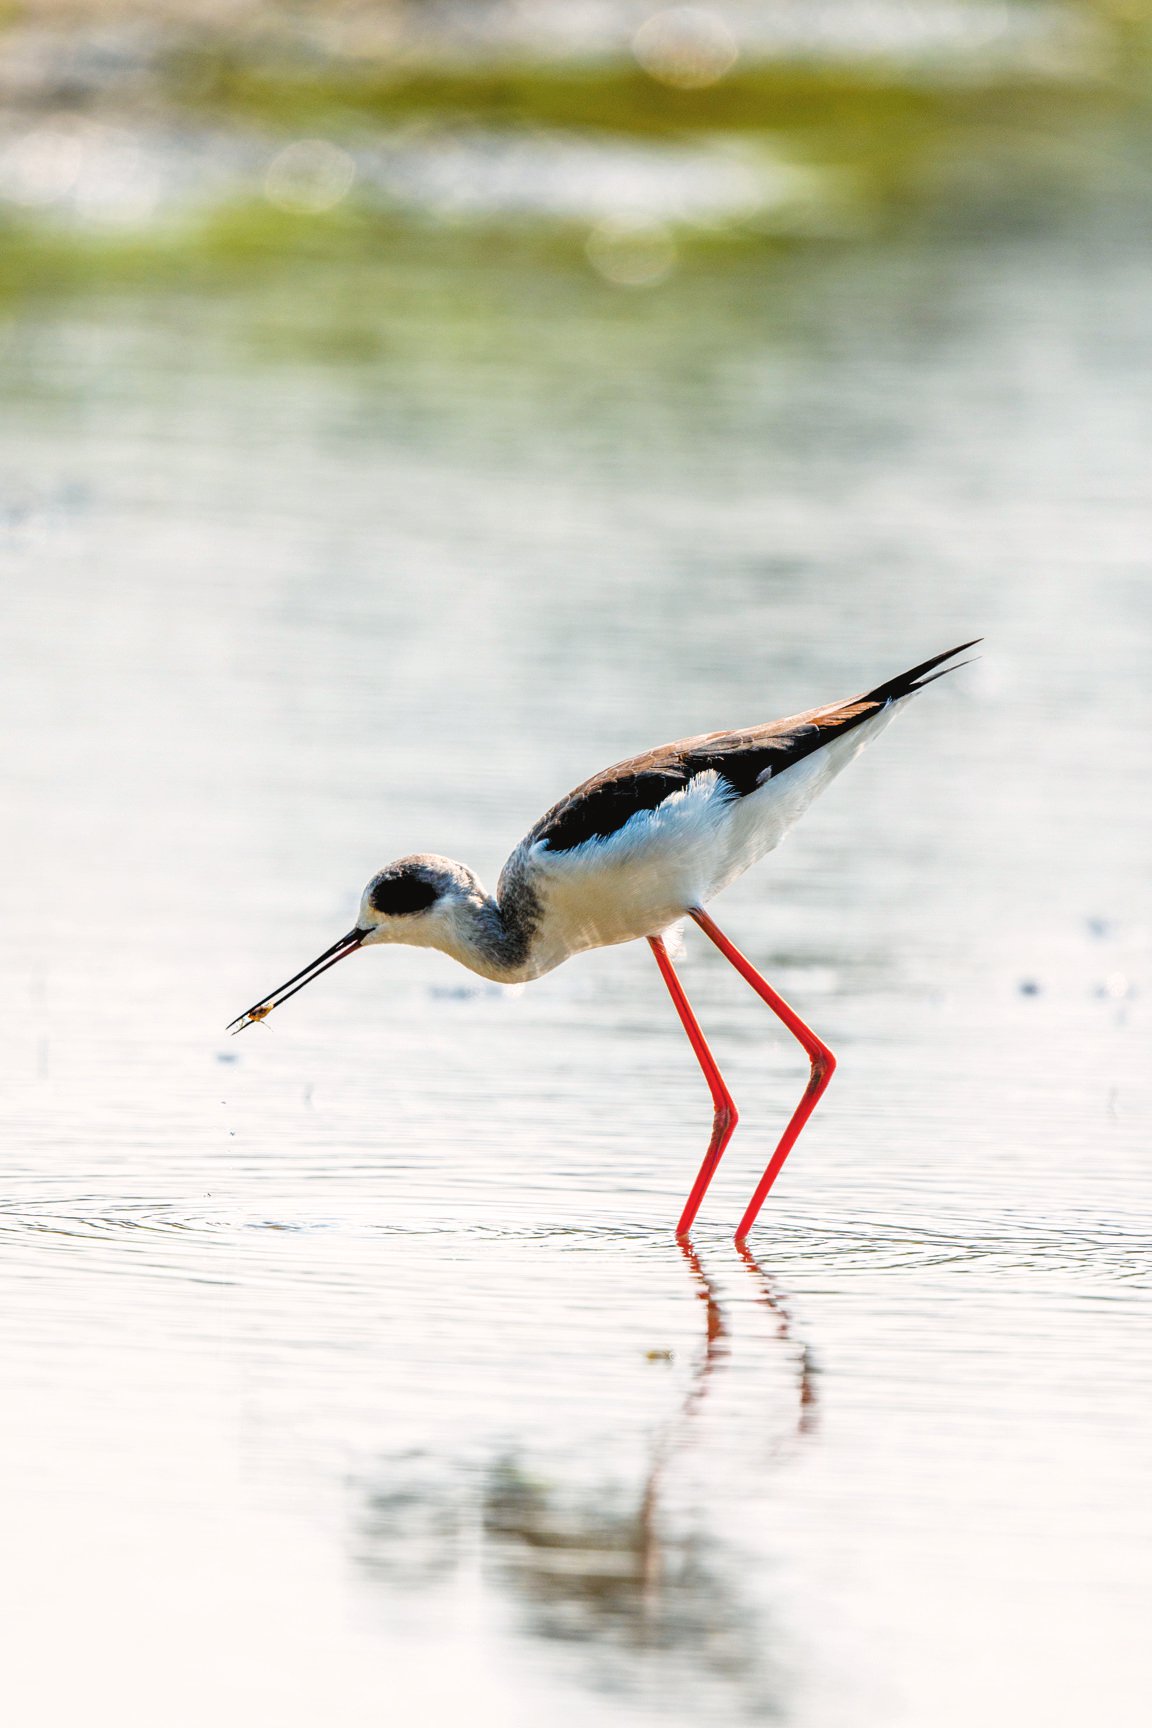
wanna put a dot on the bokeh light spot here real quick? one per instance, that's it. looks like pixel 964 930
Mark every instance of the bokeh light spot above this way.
pixel 685 47
pixel 309 176
pixel 631 254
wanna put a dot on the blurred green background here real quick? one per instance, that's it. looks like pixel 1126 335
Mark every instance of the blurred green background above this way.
pixel 140 140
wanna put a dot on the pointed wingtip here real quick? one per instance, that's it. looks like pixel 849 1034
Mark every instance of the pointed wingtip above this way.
pixel 952 652
pixel 905 683
pixel 944 670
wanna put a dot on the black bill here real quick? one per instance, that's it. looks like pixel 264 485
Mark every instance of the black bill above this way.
pixel 260 1010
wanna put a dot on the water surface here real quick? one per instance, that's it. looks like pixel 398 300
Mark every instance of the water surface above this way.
pixel 351 1366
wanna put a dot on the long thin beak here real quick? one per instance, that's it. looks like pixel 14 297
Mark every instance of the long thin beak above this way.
pixel 260 1010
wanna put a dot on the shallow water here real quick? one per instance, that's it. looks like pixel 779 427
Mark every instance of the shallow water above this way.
pixel 351 1366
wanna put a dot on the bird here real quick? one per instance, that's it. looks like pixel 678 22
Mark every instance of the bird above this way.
pixel 627 856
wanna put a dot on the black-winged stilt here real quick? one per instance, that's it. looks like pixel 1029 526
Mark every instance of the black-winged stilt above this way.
pixel 628 854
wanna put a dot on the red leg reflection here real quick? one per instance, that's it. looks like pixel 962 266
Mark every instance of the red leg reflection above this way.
pixel 772 1299
pixel 822 1060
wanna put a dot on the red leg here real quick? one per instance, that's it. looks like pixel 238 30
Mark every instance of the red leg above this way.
pixel 822 1060
pixel 725 1118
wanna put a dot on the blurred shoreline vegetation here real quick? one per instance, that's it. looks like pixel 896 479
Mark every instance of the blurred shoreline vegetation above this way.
pixel 139 144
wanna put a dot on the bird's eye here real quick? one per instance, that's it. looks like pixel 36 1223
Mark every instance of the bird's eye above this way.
pixel 397 896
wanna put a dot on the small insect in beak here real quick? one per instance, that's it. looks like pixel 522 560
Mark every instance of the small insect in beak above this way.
pixel 260 1010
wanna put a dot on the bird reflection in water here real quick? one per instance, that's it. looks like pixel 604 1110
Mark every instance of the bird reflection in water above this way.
pixel 627 1578
pixel 771 1298
pixel 586 1570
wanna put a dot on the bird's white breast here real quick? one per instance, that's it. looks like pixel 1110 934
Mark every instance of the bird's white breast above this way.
pixel 635 882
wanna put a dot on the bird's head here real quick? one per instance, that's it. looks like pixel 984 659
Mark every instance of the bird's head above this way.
pixel 416 900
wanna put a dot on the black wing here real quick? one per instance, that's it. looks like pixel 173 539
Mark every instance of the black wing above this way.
pixel 744 760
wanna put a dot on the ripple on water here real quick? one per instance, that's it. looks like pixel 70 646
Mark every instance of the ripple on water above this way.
pixel 990 1246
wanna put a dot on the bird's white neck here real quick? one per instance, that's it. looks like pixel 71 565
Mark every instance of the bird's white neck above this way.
pixel 495 937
